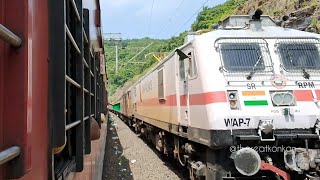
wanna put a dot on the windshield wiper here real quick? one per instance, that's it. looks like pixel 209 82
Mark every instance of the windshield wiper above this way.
pixel 306 75
pixel 249 76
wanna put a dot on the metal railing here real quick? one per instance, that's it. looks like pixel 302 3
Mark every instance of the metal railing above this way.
pixel 71 125
pixel 9 37
pixel 9 154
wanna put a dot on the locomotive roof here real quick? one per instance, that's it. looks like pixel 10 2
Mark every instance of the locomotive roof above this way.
pixel 269 31
pixel 266 32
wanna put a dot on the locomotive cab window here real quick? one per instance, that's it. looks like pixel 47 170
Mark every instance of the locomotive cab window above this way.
pixel 242 57
pixel 192 68
pixel 294 55
pixel 182 70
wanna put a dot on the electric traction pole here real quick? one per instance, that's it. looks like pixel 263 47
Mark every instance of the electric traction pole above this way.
pixel 116 58
pixel 116 38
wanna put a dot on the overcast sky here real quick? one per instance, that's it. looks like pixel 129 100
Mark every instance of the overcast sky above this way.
pixel 143 18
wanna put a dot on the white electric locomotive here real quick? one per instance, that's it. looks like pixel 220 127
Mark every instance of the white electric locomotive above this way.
pixel 239 101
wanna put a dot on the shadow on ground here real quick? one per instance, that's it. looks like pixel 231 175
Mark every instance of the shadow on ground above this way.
pixel 115 166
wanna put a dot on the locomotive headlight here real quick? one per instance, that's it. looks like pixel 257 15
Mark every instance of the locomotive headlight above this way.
pixel 288 98
pixel 233 104
pixel 232 96
pixel 283 98
pixel 277 99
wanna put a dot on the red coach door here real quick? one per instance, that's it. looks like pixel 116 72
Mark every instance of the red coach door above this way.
pixel 15 122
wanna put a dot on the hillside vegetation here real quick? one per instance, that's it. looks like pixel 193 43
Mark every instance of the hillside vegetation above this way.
pixel 128 49
pixel 305 15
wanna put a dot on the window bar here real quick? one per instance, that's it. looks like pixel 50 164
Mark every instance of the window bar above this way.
pixel 71 125
pixel 91 53
pixel 94 102
pixel 9 37
pixel 57 71
pixel 79 94
pixel 86 118
pixel 92 94
pixel 76 67
pixel 85 90
pixel 87 124
pixel 75 9
pixel 97 94
pixel 85 62
pixel 70 80
pixel 72 39
pixel 91 73
pixel 9 154
pixel 85 36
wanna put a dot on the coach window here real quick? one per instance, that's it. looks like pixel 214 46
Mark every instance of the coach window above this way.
pixel 181 69
pixel 160 84
pixel 140 89
pixel 192 70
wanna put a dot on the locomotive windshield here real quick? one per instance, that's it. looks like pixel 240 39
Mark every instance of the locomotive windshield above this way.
pixel 242 57
pixel 299 56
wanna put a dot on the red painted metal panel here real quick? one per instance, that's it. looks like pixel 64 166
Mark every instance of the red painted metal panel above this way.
pixel 15 85
pixel 318 94
pixel 24 90
pixel 38 87
pixel 98 18
pixel 195 99
pixel 303 95
pixel 2 59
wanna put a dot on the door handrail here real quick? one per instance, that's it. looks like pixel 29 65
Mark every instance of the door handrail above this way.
pixel 9 37
pixel 9 154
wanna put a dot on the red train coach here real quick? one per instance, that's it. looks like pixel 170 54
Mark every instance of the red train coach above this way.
pixel 52 83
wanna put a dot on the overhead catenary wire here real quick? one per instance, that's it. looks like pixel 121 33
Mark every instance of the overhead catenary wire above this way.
pixel 170 19
pixel 148 27
pixel 136 55
pixel 181 3
pixel 191 17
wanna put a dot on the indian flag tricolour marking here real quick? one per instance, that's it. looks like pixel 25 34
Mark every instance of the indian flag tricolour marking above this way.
pixel 254 98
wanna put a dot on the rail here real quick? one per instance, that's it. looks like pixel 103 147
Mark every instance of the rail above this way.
pixel 9 154
pixel 9 37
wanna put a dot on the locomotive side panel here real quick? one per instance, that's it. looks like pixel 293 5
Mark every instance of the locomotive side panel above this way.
pixel 156 100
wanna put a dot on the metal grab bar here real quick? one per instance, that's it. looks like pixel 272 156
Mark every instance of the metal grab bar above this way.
pixel 71 125
pixel 9 154
pixel 9 37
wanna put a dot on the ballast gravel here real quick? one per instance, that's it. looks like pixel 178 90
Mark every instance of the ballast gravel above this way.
pixel 128 157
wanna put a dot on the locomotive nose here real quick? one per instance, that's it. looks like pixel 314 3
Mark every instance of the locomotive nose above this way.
pixel 247 161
